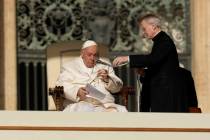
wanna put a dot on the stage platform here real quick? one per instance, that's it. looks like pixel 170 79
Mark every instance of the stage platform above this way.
pixel 53 125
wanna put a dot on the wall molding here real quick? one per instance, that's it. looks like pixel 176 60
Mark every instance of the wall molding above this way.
pixel 123 129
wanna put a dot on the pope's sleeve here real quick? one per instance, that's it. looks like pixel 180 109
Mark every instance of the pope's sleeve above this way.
pixel 65 79
pixel 115 83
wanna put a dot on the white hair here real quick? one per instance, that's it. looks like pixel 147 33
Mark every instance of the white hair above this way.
pixel 151 19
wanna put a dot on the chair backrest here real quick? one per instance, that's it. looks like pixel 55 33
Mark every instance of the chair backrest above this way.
pixel 59 53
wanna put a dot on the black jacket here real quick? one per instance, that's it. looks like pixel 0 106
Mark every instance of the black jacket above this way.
pixel 162 64
pixel 187 87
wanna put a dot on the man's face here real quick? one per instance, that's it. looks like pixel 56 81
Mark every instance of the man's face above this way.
pixel 89 56
pixel 148 29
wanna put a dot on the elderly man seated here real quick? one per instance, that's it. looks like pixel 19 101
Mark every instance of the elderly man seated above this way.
pixel 88 85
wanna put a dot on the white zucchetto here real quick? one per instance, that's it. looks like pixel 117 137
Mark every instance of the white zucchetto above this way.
pixel 88 43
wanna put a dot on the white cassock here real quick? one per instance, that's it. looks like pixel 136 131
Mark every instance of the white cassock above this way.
pixel 75 75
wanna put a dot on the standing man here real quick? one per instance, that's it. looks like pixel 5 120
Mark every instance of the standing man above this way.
pixel 162 64
pixel 82 72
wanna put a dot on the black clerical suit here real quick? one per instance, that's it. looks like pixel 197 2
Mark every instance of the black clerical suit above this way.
pixel 163 65
pixel 145 92
pixel 187 88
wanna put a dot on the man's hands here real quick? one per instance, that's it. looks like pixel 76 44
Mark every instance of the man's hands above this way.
pixel 82 93
pixel 120 60
pixel 103 75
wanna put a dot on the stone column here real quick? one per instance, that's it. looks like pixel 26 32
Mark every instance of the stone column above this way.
pixel 200 20
pixel 10 68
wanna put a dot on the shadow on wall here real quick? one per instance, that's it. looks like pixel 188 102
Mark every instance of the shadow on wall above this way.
pixel 1 58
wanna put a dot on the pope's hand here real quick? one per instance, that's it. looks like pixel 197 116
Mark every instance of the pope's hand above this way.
pixel 103 75
pixel 120 60
pixel 82 94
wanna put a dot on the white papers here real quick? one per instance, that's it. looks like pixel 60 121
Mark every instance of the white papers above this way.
pixel 95 93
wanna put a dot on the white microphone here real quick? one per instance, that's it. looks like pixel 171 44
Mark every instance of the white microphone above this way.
pixel 102 62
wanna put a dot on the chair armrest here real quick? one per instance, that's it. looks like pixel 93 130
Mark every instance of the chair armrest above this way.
pixel 58 97
pixel 124 93
pixel 194 110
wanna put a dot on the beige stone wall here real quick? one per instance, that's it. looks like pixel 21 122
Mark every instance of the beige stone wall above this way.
pixel 10 93
pixel 200 19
